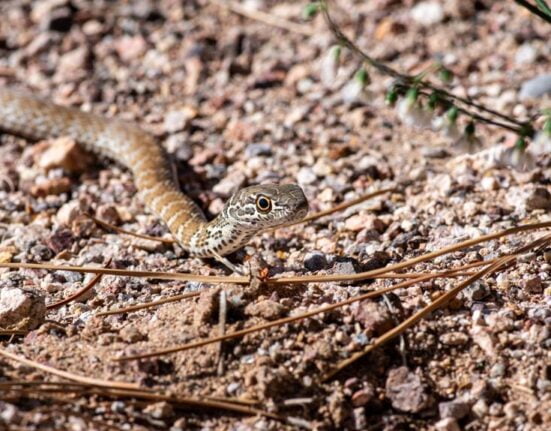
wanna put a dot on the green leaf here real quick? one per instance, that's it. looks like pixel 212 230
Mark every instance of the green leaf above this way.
pixel 452 114
pixel 445 75
pixel 391 97
pixel 544 7
pixel 310 10
pixel 520 144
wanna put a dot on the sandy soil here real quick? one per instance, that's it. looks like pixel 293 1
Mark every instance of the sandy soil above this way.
pixel 236 102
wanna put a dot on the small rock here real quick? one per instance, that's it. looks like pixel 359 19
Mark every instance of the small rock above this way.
pixel 454 339
pixel 262 149
pixel 357 222
pixel 207 306
pixel 108 214
pixel 131 334
pixel 61 239
pixel 375 317
pixel 363 396
pixel 476 292
pixel 489 183
pixel 344 267
pixel 360 421
pixel 64 153
pixel 406 391
pixel 177 120
pixel 68 213
pixel 480 408
pixel 453 409
pixel 533 285
pixel 267 309
pixel 315 260
pixel 73 64
pixel 130 47
pixel 427 13
pixel 306 176
pixel 484 339
pixel 9 414
pixel 536 87
pixel 161 410
pixel 526 54
pixel 22 309
pixel 230 183
pixel 539 198
pixel 54 186
pixel 447 424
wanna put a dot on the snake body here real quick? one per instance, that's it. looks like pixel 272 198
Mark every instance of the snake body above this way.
pixel 249 211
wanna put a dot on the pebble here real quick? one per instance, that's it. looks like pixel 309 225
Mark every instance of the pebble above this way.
pixel 406 391
pixel 454 339
pixel 306 176
pixel 9 413
pixel 374 317
pixel 476 291
pixel 315 261
pixel 489 184
pixel 447 424
pixel 160 410
pixel 130 47
pixel 267 309
pixel 64 153
pixel 533 285
pixel 68 213
pixel 55 186
pixel 526 54
pixel 536 87
pixel 22 309
pixel 480 408
pixel 539 198
pixel 455 409
pixel 177 120
pixel 230 184
pixel 261 149
pixel 363 396
pixel 428 13
pixel 73 64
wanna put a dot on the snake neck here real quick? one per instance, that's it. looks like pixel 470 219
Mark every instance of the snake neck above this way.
pixel 218 237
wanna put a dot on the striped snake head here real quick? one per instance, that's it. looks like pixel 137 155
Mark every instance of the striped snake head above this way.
pixel 249 211
pixel 256 208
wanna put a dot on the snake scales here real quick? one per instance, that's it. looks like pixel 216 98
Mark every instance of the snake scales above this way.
pixel 247 212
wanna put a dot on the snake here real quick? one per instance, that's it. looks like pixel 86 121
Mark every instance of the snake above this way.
pixel 247 212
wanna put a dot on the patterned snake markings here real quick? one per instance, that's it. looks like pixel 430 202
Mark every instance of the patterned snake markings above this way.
pixel 247 212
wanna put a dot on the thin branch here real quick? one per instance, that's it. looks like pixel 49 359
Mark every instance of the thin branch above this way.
pixel 441 300
pixel 285 320
pixel 137 307
pixel 110 227
pixel 79 292
pixel 535 10
pixel 266 18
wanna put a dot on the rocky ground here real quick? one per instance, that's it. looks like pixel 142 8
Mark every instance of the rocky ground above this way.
pixel 237 101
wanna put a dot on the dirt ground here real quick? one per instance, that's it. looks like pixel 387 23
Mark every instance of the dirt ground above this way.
pixel 237 101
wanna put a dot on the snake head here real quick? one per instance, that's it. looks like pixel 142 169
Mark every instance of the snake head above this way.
pixel 268 205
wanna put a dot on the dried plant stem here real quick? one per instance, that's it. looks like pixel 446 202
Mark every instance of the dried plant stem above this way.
pixel 440 301
pixel 79 292
pixel 68 375
pixel 130 390
pixel 287 280
pixel 410 262
pixel 264 17
pixel 108 226
pixel 137 307
pixel 516 126
pixel 344 205
pixel 286 320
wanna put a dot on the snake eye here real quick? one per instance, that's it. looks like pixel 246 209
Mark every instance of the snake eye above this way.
pixel 263 203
